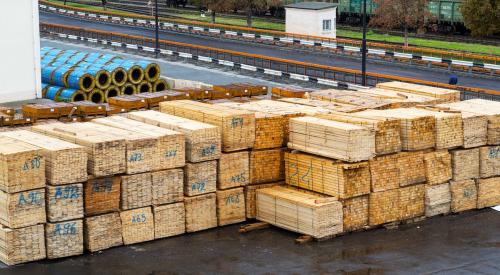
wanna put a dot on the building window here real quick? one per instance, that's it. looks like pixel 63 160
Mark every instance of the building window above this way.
pixel 327 25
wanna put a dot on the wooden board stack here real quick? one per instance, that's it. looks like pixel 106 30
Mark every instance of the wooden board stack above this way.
pixel 447 95
pixel 266 166
pixel 328 105
pixel 361 100
pixel 238 127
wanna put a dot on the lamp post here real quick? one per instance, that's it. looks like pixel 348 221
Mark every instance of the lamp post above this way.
pixel 363 47
pixel 157 27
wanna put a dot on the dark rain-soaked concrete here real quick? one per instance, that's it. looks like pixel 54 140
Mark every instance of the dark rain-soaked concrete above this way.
pixel 468 243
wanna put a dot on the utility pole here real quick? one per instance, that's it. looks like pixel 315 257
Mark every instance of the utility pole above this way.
pixel 157 27
pixel 363 47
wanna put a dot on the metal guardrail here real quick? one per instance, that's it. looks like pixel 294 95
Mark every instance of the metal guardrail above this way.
pixel 449 58
pixel 310 72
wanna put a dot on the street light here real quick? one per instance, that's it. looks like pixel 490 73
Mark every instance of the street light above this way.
pixel 363 47
pixel 157 27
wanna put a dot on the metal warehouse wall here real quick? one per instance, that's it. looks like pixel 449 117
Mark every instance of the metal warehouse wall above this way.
pixel 19 50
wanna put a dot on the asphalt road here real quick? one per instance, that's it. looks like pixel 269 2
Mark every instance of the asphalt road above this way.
pixel 337 61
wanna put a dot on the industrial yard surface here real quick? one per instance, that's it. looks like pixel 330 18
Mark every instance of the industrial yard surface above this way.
pixel 467 243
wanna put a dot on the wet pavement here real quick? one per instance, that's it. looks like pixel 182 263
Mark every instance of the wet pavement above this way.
pixel 468 243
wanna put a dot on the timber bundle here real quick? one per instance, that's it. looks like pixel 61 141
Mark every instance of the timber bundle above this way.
pixel 320 164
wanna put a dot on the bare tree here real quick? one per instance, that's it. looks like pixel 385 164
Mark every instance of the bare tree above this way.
pixel 404 14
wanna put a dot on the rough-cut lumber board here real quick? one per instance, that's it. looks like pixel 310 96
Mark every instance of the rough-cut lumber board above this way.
pixel 230 206
pixel 355 213
pixel 200 178
pixel 102 195
pixel 237 126
pixel 488 192
pixel 64 239
pixel 266 166
pixel 136 191
pixel 137 225
pixel 140 148
pixel 22 209
pixel 463 195
pixel 437 167
pixel 411 201
pixel 339 140
pixel 233 170
pixel 401 169
pixel 168 186
pixel 22 245
pixel 445 94
pixel 366 101
pixel 65 162
pixel 387 130
pixel 418 131
pixel 489 158
pixel 102 232
pixel 490 109
pixel 301 212
pixel 383 207
pixel 251 197
pixel 331 106
pixel 64 202
pixel 201 212
pixel 170 220
pixel 437 199
pixel 327 176
pixel 170 145
pixel 22 166
pixel 465 164
pixel 106 153
pixel 401 99
pixel 203 141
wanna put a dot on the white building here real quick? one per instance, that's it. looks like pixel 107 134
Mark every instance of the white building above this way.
pixel 312 18
pixel 20 77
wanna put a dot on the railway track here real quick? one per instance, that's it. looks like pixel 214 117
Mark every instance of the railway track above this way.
pixel 278 67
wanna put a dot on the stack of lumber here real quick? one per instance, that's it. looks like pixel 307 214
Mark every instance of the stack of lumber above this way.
pixel 203 141
pixel 201 212
pixel 137 225
pixel 200 178
pixel 446 95
pixel 266 166
pixel 361 100
pixel 170 145
pixel 402 99
pixel 437 199
pixel 237 126
pixel 489 161
pixel 328 105
pixel 288 92
pixel 418 130
pixel 251 197
pixel 339 140
pixel 488 192
pixel 387 130
pixel 299 211
pixel 170 220
pixel 230 206
pixel 233 170
pixel 449 128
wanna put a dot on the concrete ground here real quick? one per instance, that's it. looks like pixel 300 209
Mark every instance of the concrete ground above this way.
pixel 468 243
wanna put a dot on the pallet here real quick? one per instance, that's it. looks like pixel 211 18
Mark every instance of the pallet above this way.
pixel 88 108
pixel 288 92
pixel 153 100
pixel 48 110
pixel 128 102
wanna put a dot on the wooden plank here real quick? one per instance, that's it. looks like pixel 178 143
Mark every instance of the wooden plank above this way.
pixel 200 178
pixel 356 98
pixel 438 167
pixel 237 126
pixel 339 140
pixel 327 105
pixel 64 202
pixel 64 239
pixel 401 99
pixel 65 162
pixel 137 225
pixel 16 250
pixel 465 164
pixel 301 212
pixel 102 195
pixel 488 192
pixel 170 145
pixel 168 186
pixel 170 220
pixel 102 232
pixel 437 199
pixel 445 94
pixel 355 213
pixel 201 213
pixel 327 176
pixel 230 206
pixel 203 141
pixel 418 130
pixel 22 166
pixel 22 209
pixel 266 166
pixel 136 191
pixel 233 170
pixel 463 195
pixel 489 161
pixel 106 152
pixel 251 197
pixel 387 130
